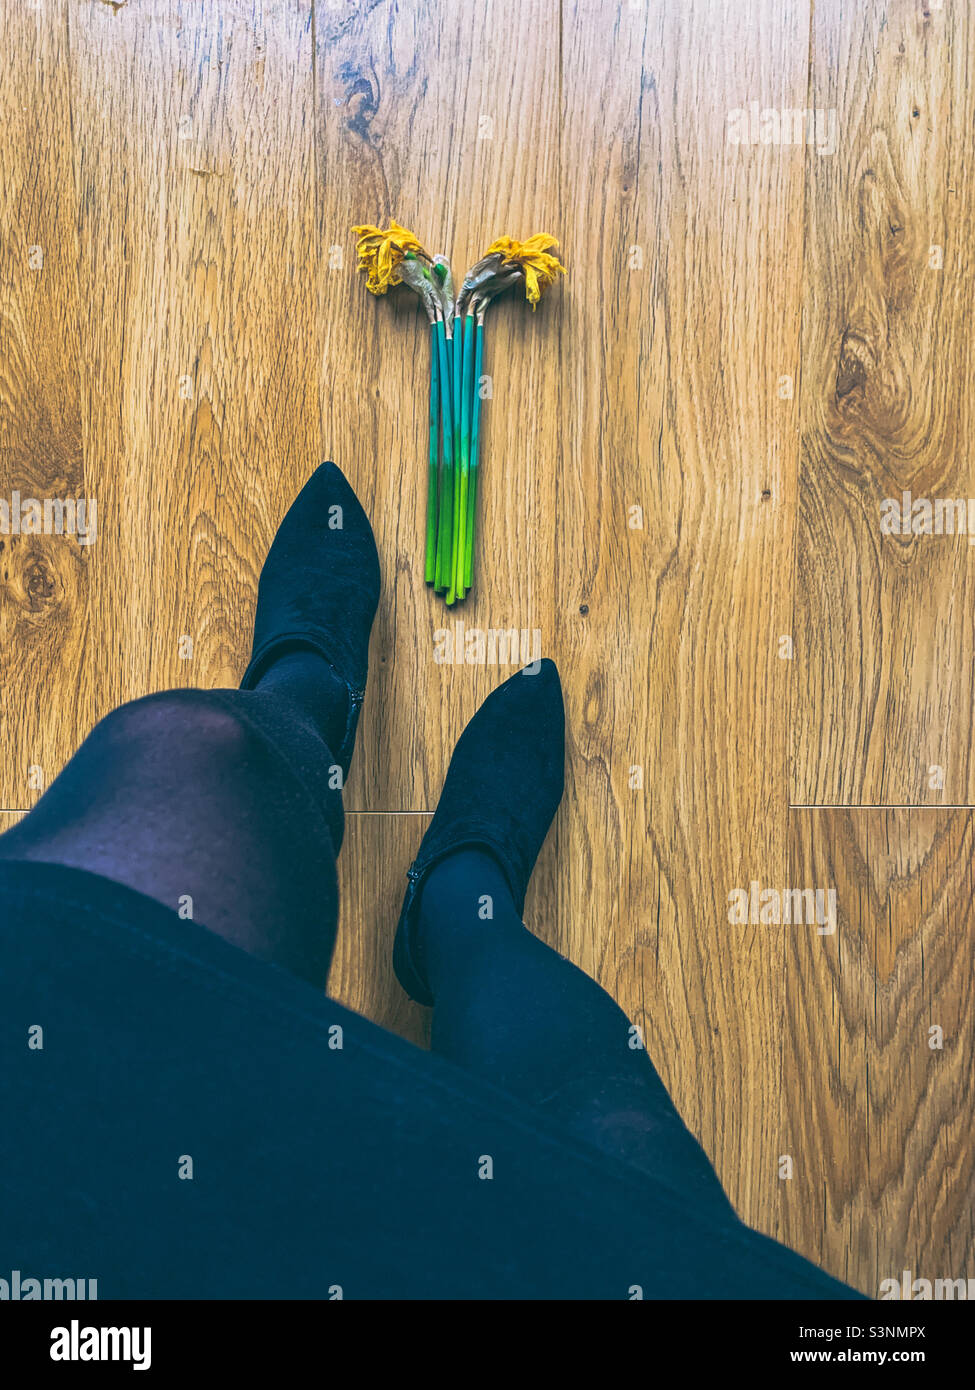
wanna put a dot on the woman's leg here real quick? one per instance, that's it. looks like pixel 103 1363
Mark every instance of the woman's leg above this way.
pixel 518 1013
pixel 227 805
pixel 504 1004
pixel 189 797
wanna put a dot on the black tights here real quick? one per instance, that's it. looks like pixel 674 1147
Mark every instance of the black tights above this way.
pixel 226 806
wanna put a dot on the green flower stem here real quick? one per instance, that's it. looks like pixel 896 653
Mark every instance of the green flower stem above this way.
pixel 475 436
pixel 458 345
pixel 433 481
pixel 465 454
pixel 445 520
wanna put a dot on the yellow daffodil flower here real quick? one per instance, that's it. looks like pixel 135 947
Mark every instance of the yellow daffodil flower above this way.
pixel 382 252
pixel 533 258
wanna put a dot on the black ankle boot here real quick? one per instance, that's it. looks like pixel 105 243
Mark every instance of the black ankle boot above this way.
pixel 319 589
pixel 502 789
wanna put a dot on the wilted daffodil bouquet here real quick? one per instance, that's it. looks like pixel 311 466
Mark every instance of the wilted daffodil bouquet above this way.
pixel 394 256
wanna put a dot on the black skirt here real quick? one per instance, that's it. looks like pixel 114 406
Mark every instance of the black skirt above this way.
pixel 180 1120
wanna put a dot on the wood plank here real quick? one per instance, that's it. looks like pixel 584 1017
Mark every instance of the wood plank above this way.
pixel 885 642
pixel 878 1108
pixel 44 578
pixel 671 359
pixel 199 265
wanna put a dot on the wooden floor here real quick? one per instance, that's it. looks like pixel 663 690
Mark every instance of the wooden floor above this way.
pixel 686 452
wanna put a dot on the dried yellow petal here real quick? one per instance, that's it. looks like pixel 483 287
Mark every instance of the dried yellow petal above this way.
pixel 534 259
pixel 381 252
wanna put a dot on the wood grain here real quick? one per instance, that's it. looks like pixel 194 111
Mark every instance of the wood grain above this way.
pixel 196 197
pixel 44 579
pixel 885 642
pixel 683 316
pixel 881 1140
